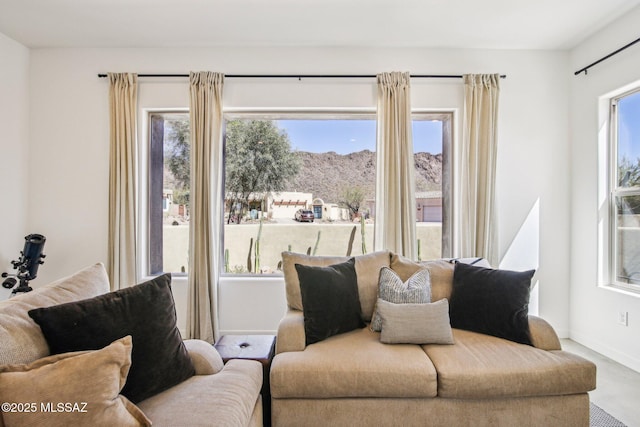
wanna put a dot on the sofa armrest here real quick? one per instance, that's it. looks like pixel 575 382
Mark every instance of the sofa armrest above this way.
pixel 543 336
pixel 291 336
pixel 206 359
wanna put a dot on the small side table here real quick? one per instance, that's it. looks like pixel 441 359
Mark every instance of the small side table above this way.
pixel 252 347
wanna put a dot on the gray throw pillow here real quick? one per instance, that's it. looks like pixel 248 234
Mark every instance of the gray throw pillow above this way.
pixel 415 323
pixel 391 288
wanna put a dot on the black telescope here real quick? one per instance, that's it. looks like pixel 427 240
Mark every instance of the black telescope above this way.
pixel 31 257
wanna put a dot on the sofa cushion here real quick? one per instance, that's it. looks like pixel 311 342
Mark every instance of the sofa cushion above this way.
pixel 86 384
pixel 146 312
pixel 415 323
pixel 354 364
pixel 440 271
pixel 481 366
pixel 494 302
pixel 21 338
pixel 416 289
pixel 227 398
pixel 440 274
pixel 330 300
pixel 367 269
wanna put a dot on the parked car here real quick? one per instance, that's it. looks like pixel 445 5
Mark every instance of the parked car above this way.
pixel 304 215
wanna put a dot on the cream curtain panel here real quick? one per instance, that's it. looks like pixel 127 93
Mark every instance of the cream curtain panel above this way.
pixel 121 264
pixel 477 230
pixel 395 182
pixel 205 225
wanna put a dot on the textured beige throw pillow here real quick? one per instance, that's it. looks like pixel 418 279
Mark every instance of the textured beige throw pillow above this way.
pixel 21 340
pixel 72 389
pixel 415 323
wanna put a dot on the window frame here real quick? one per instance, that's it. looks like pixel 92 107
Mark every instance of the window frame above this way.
pixel 614 193
pixel 153 226
pixel 447 117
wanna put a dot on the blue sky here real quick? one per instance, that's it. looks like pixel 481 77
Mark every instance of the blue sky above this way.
pixel 348 136
pixel 629 127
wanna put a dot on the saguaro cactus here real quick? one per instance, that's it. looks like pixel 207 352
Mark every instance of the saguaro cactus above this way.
pixel 257 248
pixel 351 238
pixel 249 256
pixel 315 247
pixel 363 234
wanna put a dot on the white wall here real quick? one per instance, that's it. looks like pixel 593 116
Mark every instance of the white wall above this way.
pixel 594 310
pixel 14 151
pixel 69 144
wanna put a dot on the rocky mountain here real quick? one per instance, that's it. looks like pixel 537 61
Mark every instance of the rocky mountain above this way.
pixel 326 175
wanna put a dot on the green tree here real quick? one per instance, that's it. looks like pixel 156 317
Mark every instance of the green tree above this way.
pixel 629 173
pixel 352 197
pixel 628 177
pixel 177 153
pixel 258 160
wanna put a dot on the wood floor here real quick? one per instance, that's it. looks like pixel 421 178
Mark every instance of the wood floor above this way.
pixel 617 388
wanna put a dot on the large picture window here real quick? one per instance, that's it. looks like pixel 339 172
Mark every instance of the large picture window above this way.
pixel 303 182
pixel 625 190
pixel 168 193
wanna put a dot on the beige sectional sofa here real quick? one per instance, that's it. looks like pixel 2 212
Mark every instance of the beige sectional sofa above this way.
pixel 352 379
pixel 221 395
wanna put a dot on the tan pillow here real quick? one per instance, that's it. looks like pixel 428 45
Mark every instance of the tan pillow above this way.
pixel 21 338
pixel 426 323
pixel 367 269
pixel 440 271
pixel 79 388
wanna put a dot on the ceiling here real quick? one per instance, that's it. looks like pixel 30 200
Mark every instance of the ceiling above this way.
pixel 490 24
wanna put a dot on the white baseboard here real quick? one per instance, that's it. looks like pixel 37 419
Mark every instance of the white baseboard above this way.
pixel 625 359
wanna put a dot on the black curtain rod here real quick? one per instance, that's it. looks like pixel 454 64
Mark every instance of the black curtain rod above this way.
pixel 604 58
pixel 310 76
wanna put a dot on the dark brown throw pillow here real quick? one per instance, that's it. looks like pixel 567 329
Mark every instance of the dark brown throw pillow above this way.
pixel 330 300
pixel 493 302
pixel 159 359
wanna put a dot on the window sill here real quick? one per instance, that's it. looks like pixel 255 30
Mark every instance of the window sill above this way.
pixel 234 278
pixel 624 290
